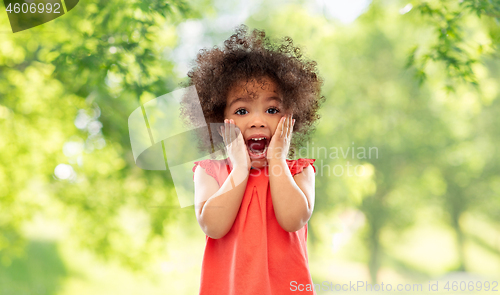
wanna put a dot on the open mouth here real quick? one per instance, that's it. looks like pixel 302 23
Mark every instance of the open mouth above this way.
pixel 257 147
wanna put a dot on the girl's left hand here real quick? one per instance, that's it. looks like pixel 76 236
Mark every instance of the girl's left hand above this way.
pixel 280 142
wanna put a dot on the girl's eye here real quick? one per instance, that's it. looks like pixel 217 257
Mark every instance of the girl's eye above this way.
pixel 273 110
pixel 241 112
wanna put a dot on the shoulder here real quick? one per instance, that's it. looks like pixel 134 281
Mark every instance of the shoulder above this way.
pixel 297 166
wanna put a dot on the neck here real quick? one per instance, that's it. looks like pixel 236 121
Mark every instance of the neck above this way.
pixel 259 164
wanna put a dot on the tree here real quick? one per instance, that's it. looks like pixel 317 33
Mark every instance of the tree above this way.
pixel 67 88
pixel 373 100
pixel 460 41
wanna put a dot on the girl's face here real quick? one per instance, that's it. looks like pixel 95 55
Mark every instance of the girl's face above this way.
pixel 256 109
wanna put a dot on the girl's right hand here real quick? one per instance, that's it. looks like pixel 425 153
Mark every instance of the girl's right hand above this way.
pixel 235 145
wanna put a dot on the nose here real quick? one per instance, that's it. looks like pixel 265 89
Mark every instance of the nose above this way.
pixel 258 121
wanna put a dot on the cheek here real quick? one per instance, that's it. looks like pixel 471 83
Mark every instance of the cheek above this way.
pixel 239 124
pixel 241 128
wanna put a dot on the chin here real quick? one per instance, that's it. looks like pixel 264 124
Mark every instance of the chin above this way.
pixel 258 163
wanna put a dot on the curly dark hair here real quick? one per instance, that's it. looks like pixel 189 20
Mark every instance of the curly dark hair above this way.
pixel 247 56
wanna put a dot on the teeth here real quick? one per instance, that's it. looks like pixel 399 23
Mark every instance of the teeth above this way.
pixel 257 138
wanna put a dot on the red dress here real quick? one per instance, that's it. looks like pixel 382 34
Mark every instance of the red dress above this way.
pixel 256 256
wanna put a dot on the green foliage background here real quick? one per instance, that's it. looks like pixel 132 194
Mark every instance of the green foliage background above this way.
pixel 421 87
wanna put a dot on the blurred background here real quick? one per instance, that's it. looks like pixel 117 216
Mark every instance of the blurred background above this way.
pixel 408 176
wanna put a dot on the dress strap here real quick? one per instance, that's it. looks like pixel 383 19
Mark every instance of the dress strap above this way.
pixel 218 169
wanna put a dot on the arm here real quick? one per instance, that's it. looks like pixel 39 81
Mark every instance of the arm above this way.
pixel 293 197
pixel 216 208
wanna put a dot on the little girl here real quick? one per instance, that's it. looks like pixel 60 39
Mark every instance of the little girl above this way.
pixel 254 205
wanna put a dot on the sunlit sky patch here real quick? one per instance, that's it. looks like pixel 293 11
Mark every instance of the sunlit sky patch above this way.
pixel 345 11
pixel 197 34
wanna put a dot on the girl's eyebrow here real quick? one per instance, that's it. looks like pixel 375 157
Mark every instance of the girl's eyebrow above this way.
pixel 276 98
pixel 239 99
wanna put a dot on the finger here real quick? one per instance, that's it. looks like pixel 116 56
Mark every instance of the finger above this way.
pixel 284 126
pixel 236 131
pixel 224 132
pixel 227 134
pixel 280 126
pixel 219 130
pixel 232 131
pixel 239 135
pixel 290 128
pixel 287 125
pixel 223 135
